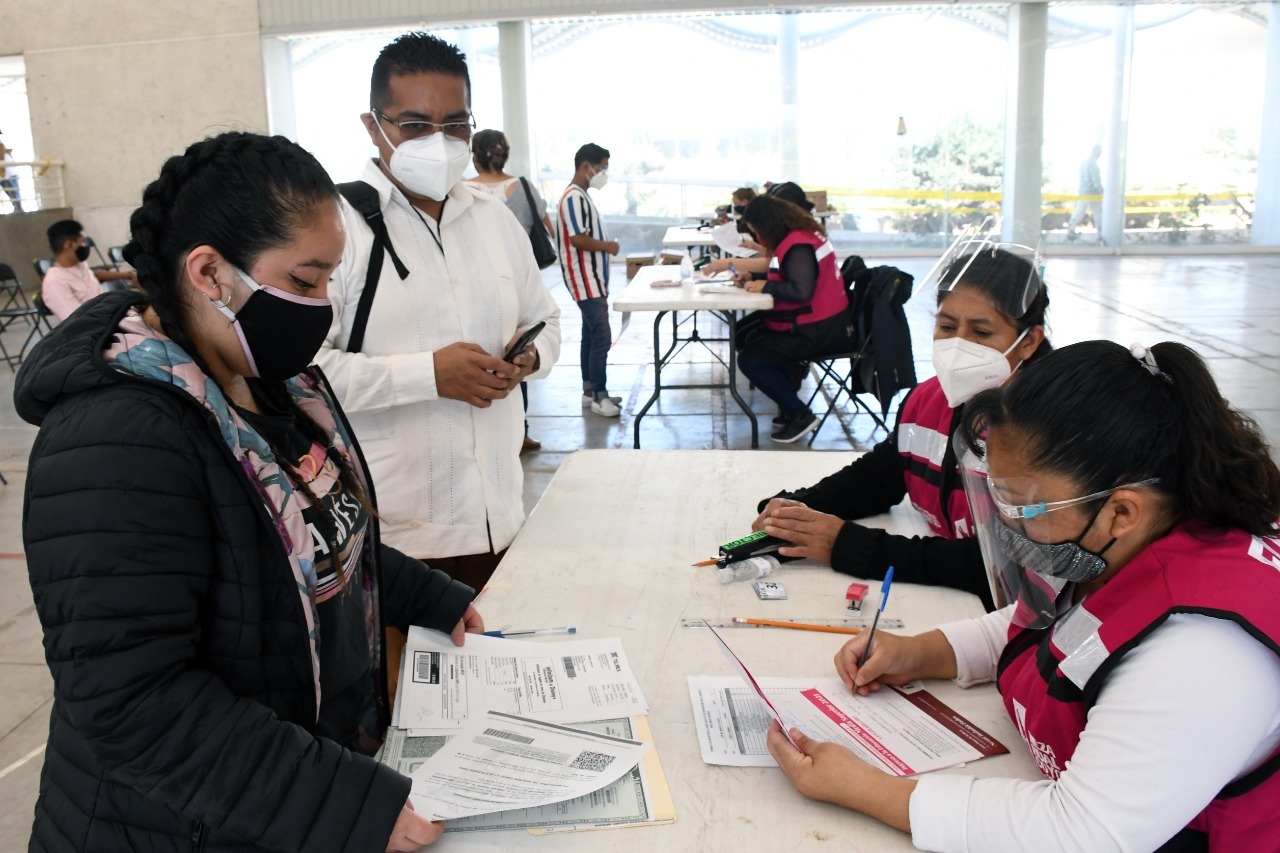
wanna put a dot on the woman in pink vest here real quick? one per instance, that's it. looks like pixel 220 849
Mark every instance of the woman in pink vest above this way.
pixel 1130 515
pixel 809 316
pixel 991 315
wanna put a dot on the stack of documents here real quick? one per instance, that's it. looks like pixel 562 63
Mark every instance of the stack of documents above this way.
pixel 503 733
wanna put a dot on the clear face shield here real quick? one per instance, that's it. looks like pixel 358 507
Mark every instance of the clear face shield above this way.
pixel 1008 275
pixel 1031 557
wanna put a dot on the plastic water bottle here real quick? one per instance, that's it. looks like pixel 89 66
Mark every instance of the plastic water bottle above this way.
pixel 748 570
pixel 686 267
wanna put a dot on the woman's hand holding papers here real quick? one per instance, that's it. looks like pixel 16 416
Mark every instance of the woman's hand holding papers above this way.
pixel 413 831
pixel 832 774
pixel 813 533
pixel 470 623
pixel 894 660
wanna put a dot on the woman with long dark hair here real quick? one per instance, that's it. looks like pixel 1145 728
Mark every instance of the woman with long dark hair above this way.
pixel 1129 515
pixel 809 315
pixel 202 538
pixel 990 322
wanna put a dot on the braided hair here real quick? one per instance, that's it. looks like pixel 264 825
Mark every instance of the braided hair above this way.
pixel 242 194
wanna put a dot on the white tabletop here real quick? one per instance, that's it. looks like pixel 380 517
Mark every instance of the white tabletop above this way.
pixel 640 296
pixel 608 550
pixel 680 235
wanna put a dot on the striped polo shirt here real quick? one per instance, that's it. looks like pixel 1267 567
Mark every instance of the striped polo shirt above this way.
pixel 586 274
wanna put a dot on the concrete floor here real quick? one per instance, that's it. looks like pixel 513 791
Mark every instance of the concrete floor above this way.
pixel 1225 307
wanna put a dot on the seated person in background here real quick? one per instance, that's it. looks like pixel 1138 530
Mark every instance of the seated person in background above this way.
pixel 991 315
pixel 1129 514
pixel 69 282
pixel 788 191
pixel 741 197
pixel 808 317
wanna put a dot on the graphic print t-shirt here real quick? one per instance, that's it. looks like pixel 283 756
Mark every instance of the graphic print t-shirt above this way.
pixel 338 526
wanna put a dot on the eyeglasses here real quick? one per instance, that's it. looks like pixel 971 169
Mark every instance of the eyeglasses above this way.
pixel 416 129
pixel 1011 510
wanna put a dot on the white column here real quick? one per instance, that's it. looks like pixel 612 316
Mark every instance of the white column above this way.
pixel 1024 123
pixel 277 68
pixel 515 55
pixel 789 74
pixel 1266 214
pixel 1115 144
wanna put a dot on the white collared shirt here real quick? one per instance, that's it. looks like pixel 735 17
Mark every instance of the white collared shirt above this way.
pixel 447 475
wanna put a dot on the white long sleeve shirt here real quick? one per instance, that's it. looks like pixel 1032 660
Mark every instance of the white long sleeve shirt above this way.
pixel 1194 706
pixel 447 475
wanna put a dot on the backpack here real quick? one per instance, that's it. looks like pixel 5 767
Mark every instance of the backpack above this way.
pixel 364 198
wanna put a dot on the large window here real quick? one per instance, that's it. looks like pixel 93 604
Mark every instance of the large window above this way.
pixel 17 185
pixel 897 114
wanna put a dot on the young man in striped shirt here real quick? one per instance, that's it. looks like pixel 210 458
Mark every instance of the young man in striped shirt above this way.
pixel 584 260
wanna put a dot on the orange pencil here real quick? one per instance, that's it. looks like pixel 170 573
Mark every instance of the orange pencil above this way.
pixel 710 562
pixel 799 626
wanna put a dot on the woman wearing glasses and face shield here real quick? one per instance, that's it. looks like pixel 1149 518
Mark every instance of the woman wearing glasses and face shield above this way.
pixel 991 303
pixel 1128 515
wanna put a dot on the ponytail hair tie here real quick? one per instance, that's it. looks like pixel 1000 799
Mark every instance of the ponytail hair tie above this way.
pixel 1147 359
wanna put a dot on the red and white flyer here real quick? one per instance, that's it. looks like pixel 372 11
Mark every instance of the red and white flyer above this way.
pixel 902 730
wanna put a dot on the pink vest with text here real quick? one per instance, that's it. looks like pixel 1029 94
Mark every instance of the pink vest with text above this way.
pixel 1051 678
pixel 924 433
pixel 829 295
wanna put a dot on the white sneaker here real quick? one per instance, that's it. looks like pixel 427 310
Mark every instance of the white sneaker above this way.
pixel 588 399
pixel 606 407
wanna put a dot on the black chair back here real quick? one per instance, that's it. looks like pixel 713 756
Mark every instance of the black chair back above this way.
pixel 42 266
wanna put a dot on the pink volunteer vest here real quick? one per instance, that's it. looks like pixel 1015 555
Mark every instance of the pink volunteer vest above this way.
pixel 829 296
pixel 1230 576
pixel 924 431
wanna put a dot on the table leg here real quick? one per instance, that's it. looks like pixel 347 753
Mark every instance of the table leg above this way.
pixel 658 359
pixel 732 318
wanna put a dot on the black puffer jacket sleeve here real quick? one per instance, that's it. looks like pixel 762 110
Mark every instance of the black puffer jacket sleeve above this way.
pixel 414 594
pixel 125 537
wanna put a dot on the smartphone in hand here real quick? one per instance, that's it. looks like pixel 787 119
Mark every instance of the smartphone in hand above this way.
pixel 523 341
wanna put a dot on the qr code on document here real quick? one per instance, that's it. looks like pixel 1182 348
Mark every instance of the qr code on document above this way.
pixel 593 761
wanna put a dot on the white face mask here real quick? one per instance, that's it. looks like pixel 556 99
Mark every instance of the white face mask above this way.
pixel 429 166
pixel 965 368
pixel 599 179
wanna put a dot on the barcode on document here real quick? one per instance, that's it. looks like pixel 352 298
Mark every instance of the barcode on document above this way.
pixel 508 735
pixel 568 668
pixel 595 762
pixel 426 667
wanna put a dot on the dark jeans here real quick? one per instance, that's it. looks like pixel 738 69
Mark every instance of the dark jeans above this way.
pixel 596 339
pixel 767 357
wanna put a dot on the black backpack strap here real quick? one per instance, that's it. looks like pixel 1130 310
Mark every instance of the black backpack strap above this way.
pixel 364 198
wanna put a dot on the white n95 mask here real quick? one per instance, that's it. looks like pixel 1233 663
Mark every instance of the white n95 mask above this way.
pixel 429 166
pixel 599 179
pixel 964 368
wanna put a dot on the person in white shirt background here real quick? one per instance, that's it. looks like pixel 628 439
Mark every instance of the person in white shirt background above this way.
pixel 70 283
pixel 1129 513
pixel 428 393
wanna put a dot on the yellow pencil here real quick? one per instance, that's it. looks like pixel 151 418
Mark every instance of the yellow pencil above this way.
pixel 799 626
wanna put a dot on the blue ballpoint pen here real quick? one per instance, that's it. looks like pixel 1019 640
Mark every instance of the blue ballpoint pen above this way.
pixel 884 599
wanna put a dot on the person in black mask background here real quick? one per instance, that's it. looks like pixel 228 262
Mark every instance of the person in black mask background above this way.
pixel 202 537
pixel 70 283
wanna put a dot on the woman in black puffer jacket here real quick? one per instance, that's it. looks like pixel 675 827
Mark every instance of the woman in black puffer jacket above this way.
pixel 202 540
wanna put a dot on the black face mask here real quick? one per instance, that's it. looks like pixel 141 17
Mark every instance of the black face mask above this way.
pixel 82 253
pixel 280 333
pixel 739 209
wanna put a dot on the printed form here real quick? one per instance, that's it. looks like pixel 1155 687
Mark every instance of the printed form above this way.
pixel 500 762
pixel 901 730
pixel 562 682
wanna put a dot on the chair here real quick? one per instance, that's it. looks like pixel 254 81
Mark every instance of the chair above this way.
pixel 11 293
pixel 116 254
pixel 42 266
pixel 35 313
pixel 853 371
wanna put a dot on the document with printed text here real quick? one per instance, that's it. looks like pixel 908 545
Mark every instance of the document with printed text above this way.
pixel 901 730
pixel 566 681
pixel 500 762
